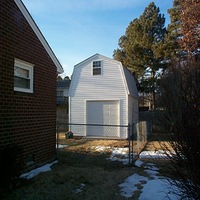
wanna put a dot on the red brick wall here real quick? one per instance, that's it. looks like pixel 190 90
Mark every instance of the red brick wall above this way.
pixel 27 120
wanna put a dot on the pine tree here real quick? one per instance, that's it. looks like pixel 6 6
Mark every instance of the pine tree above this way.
pixel 141 48
pixel 173 36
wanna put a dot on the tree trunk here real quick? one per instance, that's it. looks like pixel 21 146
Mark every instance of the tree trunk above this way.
pixel 153 91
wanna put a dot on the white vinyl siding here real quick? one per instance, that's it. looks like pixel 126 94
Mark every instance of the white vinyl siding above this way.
pixel 85 87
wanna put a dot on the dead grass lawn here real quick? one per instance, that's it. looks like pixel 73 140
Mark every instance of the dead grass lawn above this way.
pixel 79 166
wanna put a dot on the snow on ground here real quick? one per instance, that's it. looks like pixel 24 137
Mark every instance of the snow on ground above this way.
pixel 61 146
pixel 155 154
pixel 138 163
pixel 120 154
pixel 151 186
pixel 101 149
pixel 80 188
pixel 37 171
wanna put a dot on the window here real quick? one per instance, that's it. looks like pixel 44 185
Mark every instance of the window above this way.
pixel 60 93
pixel 23 76
pixel 97 65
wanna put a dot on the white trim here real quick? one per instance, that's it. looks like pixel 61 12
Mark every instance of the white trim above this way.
pixel 101 67
pixel 38 33
pixel 29 67
pixel 69 111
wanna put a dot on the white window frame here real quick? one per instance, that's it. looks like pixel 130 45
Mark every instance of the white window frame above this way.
pixel 101 67
pixel 26 66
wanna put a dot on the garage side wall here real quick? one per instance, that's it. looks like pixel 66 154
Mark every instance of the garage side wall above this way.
pixel 133 111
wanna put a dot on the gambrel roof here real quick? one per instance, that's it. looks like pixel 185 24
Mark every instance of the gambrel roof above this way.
pixel 131 83
pixel 38 33
pixel 129 80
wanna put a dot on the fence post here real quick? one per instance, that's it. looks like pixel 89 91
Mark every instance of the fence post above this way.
pixel 129 144
pixel 132 136
pixel 57 137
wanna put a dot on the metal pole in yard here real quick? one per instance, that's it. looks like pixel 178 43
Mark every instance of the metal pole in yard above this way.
pixel 129 145
pixel 133 126
pixel 57 136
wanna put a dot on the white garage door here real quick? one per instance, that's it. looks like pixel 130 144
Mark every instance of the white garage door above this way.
pixel 103 113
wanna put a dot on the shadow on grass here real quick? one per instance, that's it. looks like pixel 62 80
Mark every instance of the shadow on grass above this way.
pixel 88 159
pixel 72 142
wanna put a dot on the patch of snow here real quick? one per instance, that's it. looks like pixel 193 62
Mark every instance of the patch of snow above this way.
pixel 119 151
pixel 61 146
pixel 101 149
pixel 121 155
pixel 151 166
pixel 37 171
pixel 158 188
pixel 80 189
pixel 151 172
pixel 130 185
pixel 153 154
pixel 154 186
pixel 138 163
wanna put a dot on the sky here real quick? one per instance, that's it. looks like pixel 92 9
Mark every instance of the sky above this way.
pixel 76 30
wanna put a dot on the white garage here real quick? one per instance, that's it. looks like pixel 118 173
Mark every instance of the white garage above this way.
pixel 103 113
pixel 102 97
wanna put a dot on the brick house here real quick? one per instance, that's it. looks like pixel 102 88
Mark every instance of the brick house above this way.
pixel 28 71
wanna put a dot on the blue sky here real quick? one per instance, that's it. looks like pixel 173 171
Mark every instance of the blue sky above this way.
pixel 78 29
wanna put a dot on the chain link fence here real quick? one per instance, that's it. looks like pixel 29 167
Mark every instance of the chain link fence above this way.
pixel 135 134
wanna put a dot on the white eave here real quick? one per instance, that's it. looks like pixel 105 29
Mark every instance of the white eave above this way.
pixel 38 33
